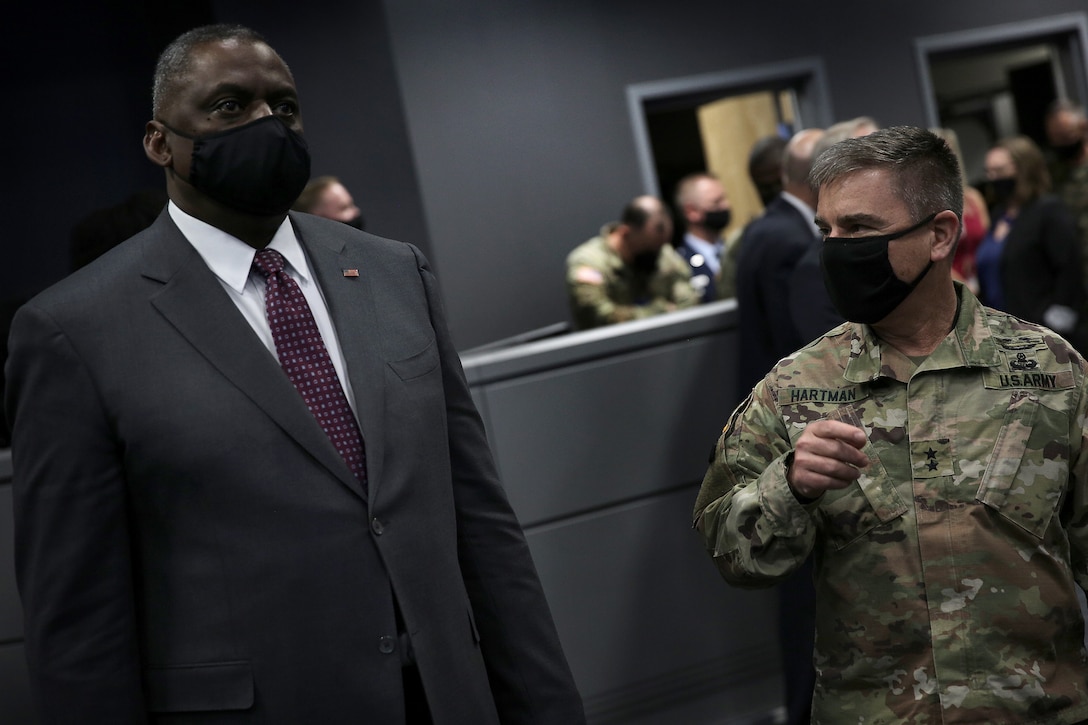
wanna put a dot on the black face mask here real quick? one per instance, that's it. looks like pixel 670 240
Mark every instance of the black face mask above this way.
pixel 1000 191
pixel 717 220
pixel 259 168
pixel 859 276
pixel 1070 151
pixel 646 262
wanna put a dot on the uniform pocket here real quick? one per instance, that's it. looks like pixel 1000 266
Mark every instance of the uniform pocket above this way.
pixel 871 501
pixel 200 687
pixel 1029 468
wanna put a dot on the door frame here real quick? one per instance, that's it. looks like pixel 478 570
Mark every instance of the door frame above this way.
pixel 1075 24
pixel 805 76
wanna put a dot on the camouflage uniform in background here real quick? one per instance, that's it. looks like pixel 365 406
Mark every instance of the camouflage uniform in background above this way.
pixel 946 573
pixel 603 289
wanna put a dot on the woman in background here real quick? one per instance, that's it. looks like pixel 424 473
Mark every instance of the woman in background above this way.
pixel 1029 263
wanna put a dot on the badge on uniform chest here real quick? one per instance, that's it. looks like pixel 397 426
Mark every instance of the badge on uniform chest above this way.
pixel 1027 362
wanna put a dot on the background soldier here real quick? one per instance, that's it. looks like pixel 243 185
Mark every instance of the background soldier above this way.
pixel 630 270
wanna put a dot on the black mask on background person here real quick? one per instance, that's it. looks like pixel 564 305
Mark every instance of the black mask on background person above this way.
pixel 717 220
pixel 1069 151
pixel 859 276
pixel 259 168
pixel 1000 191
pixel 646 262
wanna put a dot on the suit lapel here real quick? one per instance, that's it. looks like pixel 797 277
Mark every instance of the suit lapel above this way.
pixel 348 286
pixel 194 302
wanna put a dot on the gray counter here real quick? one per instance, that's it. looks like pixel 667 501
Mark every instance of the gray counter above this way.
pixel 602 438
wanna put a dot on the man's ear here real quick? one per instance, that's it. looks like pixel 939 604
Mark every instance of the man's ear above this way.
pixel 156 146
pixel 946 230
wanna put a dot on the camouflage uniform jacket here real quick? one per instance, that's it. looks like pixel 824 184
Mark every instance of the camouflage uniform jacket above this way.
pixel 946 573
pixel 603 289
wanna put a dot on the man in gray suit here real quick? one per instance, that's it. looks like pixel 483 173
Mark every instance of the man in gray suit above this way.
pixel 200 539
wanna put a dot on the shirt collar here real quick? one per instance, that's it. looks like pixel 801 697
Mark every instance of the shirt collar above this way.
pixel 228 257
pixel 969 344
pixel 702 246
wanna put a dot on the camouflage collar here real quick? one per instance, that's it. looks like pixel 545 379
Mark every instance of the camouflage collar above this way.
pixel 969 344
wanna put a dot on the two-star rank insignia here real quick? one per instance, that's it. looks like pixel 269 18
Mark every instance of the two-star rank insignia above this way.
pixel 930 459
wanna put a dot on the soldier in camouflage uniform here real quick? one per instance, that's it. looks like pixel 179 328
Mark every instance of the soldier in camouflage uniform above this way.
pixel 931 455
pixel 630 271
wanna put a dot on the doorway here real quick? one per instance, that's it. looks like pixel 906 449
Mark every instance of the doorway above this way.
pixel 710 122
pixel 989 83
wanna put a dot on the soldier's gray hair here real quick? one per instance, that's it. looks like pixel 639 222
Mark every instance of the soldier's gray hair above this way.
pixel 925 169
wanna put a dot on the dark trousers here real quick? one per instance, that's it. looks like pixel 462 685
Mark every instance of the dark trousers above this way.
pixel 797 632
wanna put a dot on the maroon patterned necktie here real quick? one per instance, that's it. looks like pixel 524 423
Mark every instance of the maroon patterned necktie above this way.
pixel 306 361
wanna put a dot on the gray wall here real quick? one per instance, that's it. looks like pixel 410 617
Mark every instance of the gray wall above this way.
pixel 518 120
pixel 493 134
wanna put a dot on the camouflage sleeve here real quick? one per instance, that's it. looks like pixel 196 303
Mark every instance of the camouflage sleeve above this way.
pixel 749 520
pixel 590 304
pixel 1078 474
pixel 726 278
pixel 682 294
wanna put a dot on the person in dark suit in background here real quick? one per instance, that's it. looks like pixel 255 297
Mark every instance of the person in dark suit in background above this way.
pixel 765 173
pixel 227 517
pixel 765 167
pixel 770 248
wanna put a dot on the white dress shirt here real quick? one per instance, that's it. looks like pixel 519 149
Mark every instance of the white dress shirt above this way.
pixel 231 260
pixel 712 253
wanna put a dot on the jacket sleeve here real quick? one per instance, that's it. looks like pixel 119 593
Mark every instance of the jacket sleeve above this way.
pixel 71 533
pixel 530 679
pixel 748 518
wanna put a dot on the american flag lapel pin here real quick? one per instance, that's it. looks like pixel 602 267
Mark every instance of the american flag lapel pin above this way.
pixel 350 272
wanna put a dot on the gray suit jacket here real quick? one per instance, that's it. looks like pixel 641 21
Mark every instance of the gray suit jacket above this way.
pixel 189 542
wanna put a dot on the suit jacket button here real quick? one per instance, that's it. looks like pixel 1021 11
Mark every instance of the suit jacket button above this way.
pixel 387 645
pixel 376 526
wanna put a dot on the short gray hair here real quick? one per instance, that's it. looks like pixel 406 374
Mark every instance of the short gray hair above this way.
pixel 926 171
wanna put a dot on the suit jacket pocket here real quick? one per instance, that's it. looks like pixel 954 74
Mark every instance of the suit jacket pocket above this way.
pixel 199 687
pixel 416 365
